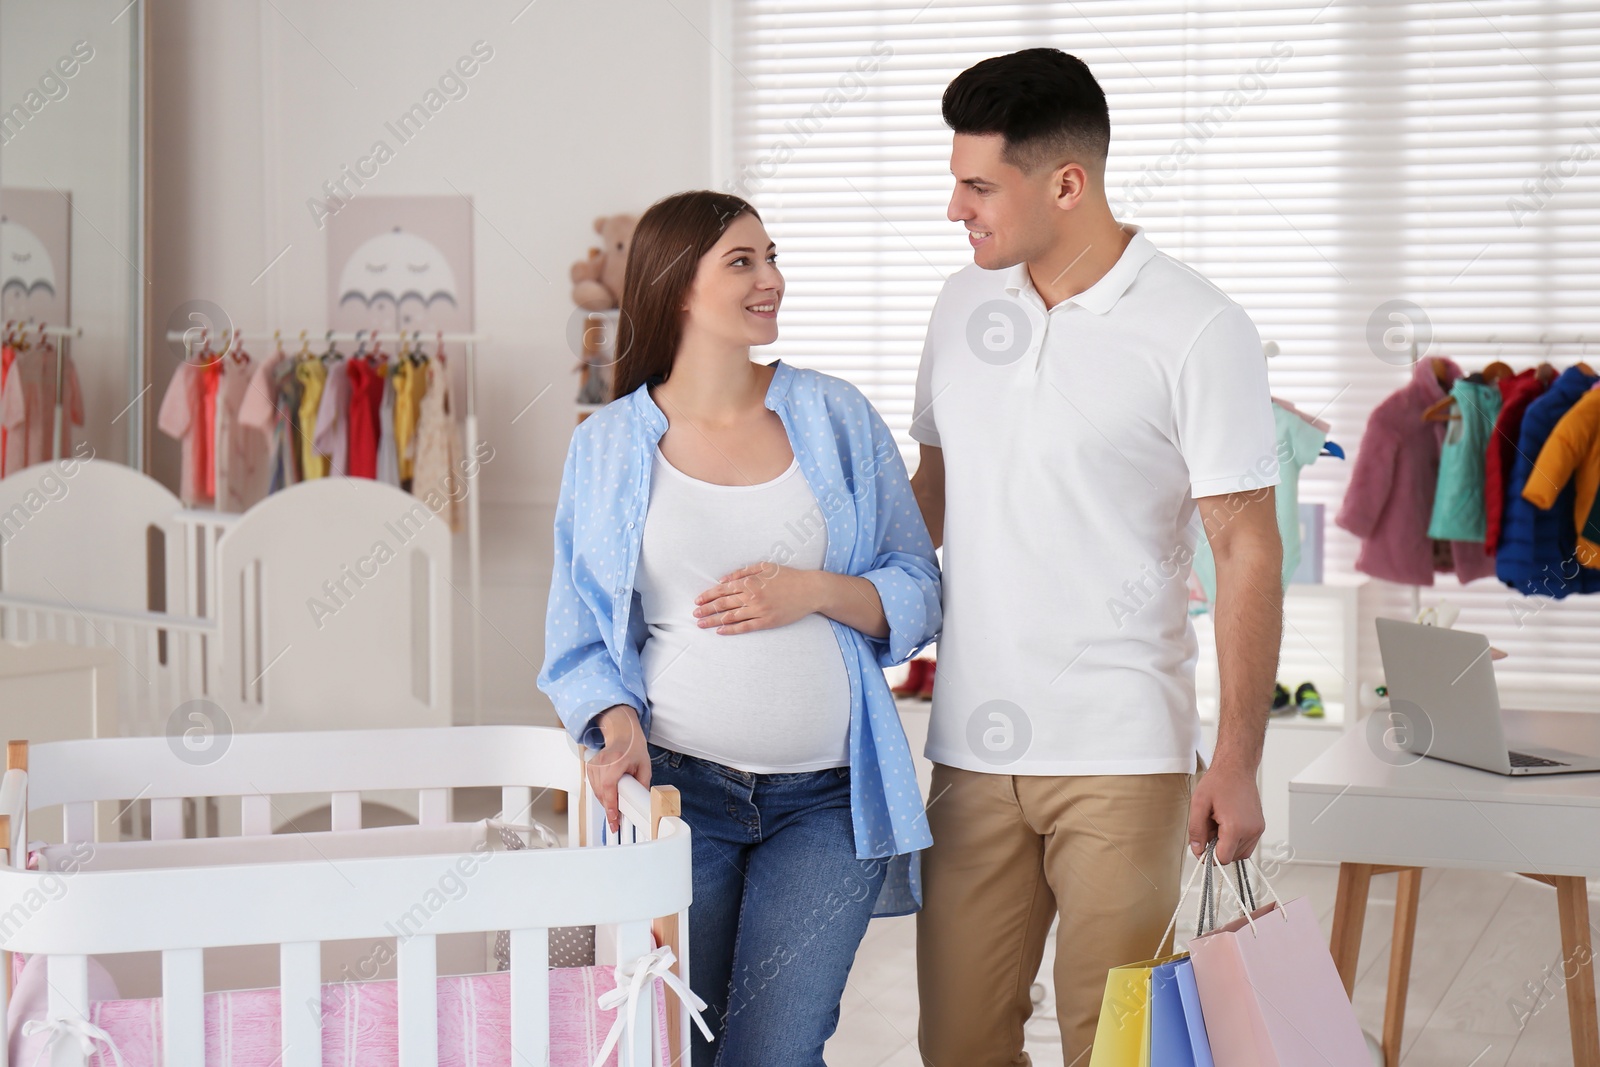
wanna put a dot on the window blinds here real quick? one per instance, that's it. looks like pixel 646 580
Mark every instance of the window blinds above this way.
pixel 1317 160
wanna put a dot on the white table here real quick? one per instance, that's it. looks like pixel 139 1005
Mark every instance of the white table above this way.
pixel 1373 808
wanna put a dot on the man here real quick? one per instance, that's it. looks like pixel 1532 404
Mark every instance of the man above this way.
pixel 1081 397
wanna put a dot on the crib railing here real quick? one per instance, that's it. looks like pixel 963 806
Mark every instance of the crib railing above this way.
pixel 162 655
pixel 626 885
pixel 162 658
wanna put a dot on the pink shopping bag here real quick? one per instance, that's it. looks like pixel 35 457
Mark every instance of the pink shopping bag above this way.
pixel 1270 993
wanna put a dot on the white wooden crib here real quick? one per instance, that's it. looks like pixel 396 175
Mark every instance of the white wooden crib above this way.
pixel 325 606
pixel 634 888
pixel 96 554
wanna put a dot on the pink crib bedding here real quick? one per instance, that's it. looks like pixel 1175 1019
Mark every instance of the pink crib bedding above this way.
pixel 358 1023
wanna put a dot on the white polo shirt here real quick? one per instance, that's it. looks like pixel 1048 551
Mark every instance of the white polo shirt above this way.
pixel 1076 441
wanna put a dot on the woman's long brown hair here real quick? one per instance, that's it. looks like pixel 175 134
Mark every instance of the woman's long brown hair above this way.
pixel 667 245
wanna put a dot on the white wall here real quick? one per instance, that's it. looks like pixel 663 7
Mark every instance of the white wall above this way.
pixel 583 109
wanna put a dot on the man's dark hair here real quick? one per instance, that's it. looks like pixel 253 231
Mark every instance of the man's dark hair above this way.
pixel 1045 103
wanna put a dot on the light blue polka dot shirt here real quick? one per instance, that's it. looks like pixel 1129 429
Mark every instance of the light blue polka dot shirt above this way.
pixel 594 629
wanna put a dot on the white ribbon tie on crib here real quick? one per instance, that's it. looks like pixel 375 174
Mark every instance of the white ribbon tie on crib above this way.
pixel 85 1031
pixel 625 998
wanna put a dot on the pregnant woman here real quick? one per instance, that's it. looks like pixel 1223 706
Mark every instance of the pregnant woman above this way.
pixel 737 555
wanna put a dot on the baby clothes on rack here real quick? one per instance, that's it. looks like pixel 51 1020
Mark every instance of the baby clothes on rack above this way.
pixel 28 405
pixel 271 413
pixel 410 377
pixel 332 433
pixel 386 417
pixel 1389 502
pixel 435 471
pixel 8 356
pixel 210 378
pixel 388 457
pixel 1536 547
pixel 1571 455
pixel 366 395
pixel 1299 444
pixel 1321 424
pixel 242 469
pixel 181 416
pixel 1458 511
pixel 313 375
pixel 1516 393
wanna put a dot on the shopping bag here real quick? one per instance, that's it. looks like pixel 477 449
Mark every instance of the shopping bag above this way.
pixel 1122 1038
pixel 1135 999
pixel 1177 1030
pixel 1269 991
pixel 1199 1044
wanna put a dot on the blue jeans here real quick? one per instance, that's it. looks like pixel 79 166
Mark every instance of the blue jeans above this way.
pixel 780 906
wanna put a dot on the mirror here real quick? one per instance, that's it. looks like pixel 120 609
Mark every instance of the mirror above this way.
pixel 72 259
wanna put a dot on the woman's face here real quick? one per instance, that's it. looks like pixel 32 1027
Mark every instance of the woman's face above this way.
pixel 737 287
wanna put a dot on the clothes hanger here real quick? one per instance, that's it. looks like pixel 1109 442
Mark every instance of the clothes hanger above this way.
pixel 333 352
pixel 1439 410
pixel 438 348
pixel 1497 371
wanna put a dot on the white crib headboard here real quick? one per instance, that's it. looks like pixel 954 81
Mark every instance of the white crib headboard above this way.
pixel 334 600
pixel 80 531
pixel 94 553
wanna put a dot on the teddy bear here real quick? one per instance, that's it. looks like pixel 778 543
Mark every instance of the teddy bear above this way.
pixel 597 280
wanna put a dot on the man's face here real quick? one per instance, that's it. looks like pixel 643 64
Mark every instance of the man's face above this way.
pixel 1006 212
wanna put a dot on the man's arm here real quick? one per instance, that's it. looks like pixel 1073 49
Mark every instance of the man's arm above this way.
pixel 927 485
pixel 1243 531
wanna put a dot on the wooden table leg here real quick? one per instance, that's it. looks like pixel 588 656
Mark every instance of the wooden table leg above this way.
pixel 1577 968
pixel 1349 915
pixel 1407 893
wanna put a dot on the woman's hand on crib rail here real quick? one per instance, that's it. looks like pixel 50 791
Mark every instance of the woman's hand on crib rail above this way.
pixel 625 752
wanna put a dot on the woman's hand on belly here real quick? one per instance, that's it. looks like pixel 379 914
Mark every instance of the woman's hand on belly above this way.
pixel 762 596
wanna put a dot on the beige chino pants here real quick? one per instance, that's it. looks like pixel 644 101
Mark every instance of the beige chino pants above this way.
pixel 1009 854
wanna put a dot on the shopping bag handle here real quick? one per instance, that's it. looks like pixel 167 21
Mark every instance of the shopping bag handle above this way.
pixel 1243 893
pixel 1208 902
pixel 1244 881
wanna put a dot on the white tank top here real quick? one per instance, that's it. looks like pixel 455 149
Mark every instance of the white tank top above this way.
pixel 765 701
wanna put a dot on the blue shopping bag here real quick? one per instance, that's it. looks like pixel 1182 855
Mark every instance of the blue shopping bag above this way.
pixel 1177 1031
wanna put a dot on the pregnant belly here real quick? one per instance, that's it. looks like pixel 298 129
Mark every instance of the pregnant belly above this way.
pixel 766 700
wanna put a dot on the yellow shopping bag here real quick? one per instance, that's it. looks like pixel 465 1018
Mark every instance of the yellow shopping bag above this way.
pixel 1123 1037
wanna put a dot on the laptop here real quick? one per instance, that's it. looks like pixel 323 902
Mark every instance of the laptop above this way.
pixel 1449 675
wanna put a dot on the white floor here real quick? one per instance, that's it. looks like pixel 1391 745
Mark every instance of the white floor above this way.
pixel 1487 948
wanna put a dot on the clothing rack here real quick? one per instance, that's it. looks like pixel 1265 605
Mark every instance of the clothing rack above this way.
pixel 62 334
pixel 474 530
pixel 1513 339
